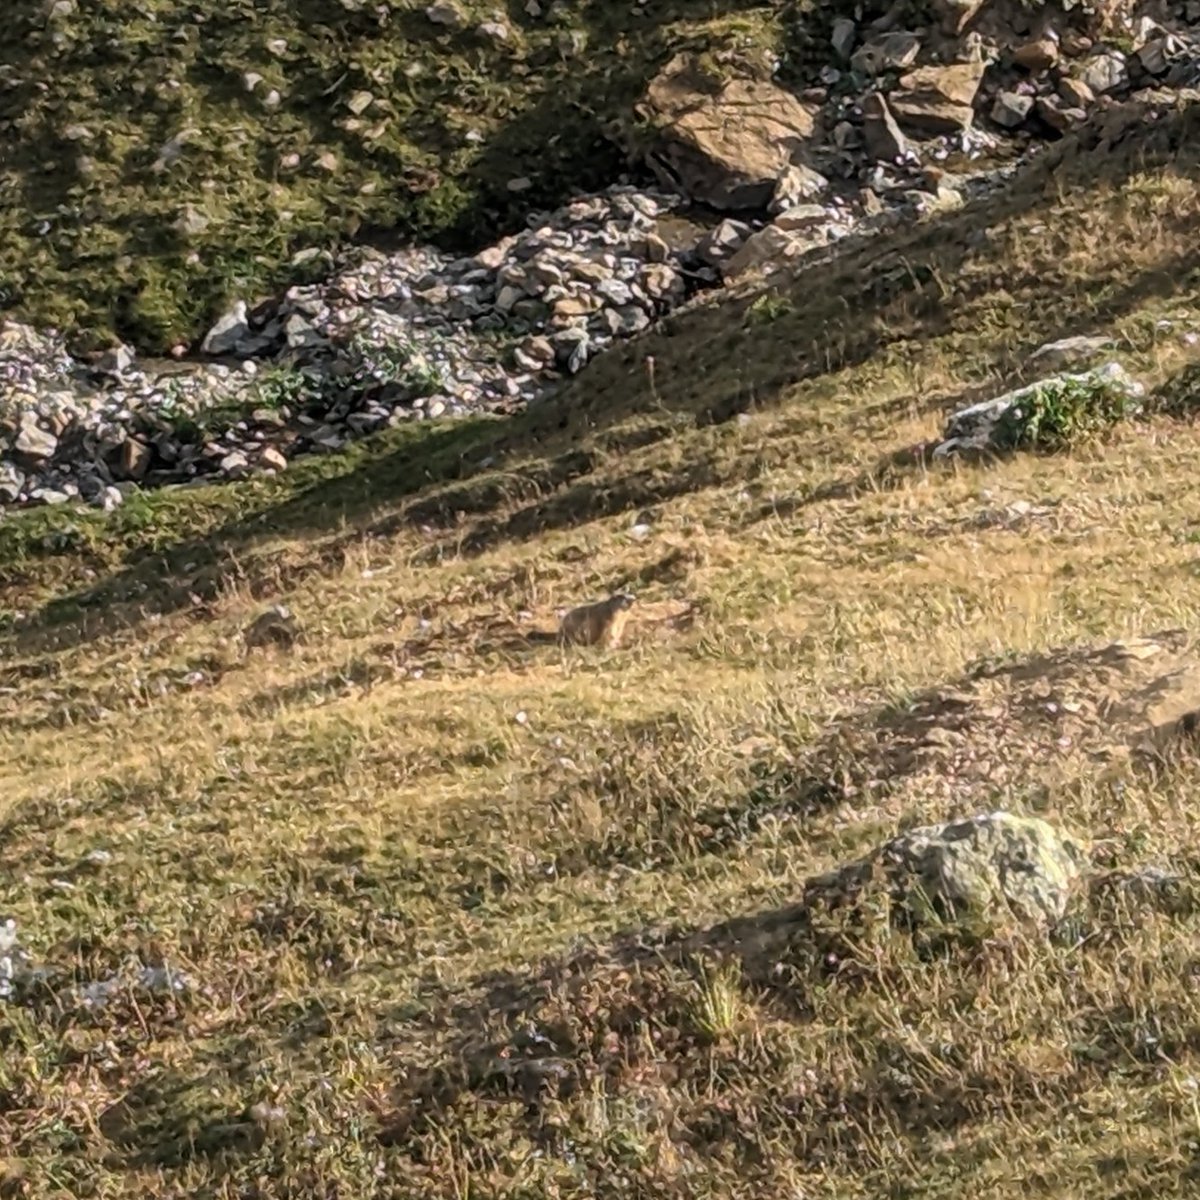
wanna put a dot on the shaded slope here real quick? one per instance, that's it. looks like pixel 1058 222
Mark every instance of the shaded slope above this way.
pixel 183 156
pixel 1092 231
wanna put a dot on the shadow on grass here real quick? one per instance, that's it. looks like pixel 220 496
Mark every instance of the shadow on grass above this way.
pixel 631 1019
pixel 171 1120
pixel 575 457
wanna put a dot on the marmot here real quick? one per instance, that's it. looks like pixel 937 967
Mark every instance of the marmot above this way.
pixel 275 627
pixel 597 624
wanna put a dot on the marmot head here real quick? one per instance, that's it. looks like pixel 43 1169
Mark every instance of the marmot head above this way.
pixel 621 600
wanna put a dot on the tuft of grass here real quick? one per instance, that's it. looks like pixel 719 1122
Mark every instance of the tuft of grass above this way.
pixel 1065 412
pixel 769 308
pixel 718 1008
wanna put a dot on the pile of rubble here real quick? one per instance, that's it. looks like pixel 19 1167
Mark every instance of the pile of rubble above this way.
pixel 889 109
pixel 385 338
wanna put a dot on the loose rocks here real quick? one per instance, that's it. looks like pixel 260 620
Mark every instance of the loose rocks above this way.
pixel 423 334
pixel 384 338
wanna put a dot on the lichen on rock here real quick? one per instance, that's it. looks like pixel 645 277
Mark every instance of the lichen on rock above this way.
pixel 990 867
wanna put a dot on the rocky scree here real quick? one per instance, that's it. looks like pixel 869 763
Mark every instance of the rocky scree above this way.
pixel 896 124
pixel 385 338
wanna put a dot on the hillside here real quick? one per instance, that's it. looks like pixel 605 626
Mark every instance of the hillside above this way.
pixel 418 903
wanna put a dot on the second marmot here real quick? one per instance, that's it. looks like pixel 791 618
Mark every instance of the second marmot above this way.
pixel 600 624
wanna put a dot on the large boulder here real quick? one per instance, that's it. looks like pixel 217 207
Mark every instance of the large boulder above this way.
pixel 722 144
pixel 936 100
pixel 991 867
pixel 1014 419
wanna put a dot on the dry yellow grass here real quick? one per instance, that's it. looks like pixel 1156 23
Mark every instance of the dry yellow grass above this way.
pixel 427 876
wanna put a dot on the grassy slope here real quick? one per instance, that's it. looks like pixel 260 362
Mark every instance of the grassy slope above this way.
pixel 382 856
pixel 99 247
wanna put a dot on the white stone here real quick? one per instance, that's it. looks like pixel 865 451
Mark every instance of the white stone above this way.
pixel 232 329
pixel 443 12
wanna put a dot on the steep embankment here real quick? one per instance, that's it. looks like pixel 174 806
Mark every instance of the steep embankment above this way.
pixel 419 905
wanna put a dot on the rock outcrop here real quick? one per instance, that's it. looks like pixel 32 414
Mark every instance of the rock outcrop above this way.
pixel 1016 417
pixel 725 144
pixel 988 868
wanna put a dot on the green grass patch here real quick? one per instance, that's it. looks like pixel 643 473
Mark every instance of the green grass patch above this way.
pixel 1064 412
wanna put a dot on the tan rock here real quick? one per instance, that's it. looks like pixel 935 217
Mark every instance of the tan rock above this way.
pixel 724 145
pixel 135 459
pixel 1076 93
pixel 768 250
pixel 936 100
pixel 1037 56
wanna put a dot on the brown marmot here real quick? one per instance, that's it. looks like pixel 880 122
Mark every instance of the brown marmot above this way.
pixel 276 627
pixel 597 624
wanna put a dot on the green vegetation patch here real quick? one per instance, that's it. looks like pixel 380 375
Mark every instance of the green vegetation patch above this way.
pixel 1065 411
